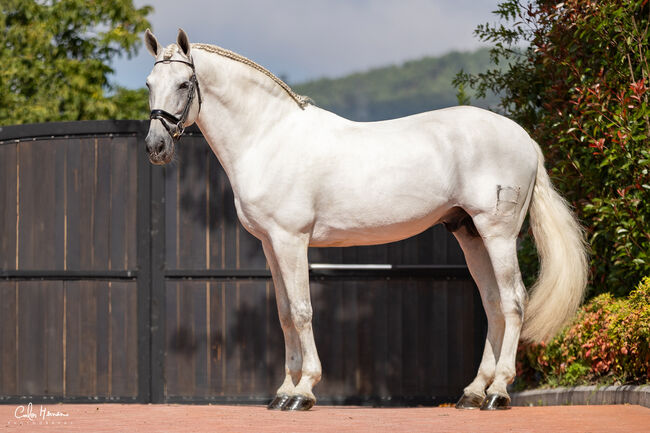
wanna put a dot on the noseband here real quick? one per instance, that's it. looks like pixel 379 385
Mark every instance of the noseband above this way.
pixel 177 126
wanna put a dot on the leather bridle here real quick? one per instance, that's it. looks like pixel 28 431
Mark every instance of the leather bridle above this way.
pixel 175 126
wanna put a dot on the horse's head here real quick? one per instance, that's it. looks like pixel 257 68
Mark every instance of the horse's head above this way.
pixel 174 95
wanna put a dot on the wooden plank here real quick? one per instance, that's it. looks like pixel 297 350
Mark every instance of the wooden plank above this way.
pixel 439 341
pixel 192 203
pixel 198 296
pixel 8 205
pixel 365 304
pixel 218 183
pixel 230 231
pixel 171 216
pixel 454 331
pixel 122 340
pixel 380 329
pixel 233 340
pixel 250 314
pixel 102 326
pixel 80 200
pixel 81 338
pixel 131 199
pixel 40 321
pixel 102 204
pixel 119 188
pixel 37 205
pixel 216 338
pixel 131 338
pixel 184 342
pixel 61 204
pixel 172 353
pixel 52 296
pixel 394 323
pixel 26 209
pixel 351 324
pixel 8 341
pixel 423 327
pixel 410 374
pixel 31 322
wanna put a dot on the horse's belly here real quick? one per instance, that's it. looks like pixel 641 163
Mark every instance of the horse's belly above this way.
pixel 372 227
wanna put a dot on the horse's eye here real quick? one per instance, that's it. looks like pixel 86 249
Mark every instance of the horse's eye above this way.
pixel 184 85
pixel 148 86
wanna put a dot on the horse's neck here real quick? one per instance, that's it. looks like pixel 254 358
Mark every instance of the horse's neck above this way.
pixel 241 108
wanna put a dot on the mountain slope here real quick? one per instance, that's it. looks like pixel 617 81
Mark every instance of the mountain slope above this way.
pixel 397 91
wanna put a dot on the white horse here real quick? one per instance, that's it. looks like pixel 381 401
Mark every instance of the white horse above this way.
pixel 302 176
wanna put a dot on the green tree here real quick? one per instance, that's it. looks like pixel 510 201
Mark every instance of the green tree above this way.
pixel 132 103
pixel 578 80
pixel 56 54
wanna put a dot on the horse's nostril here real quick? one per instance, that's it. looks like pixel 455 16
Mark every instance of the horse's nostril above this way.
pixel 160 147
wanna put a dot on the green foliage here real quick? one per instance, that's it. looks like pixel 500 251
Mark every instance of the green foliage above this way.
pixel 130 104
pixel 56 55
pixel 608 342
pixel 581 88
pixel 396 91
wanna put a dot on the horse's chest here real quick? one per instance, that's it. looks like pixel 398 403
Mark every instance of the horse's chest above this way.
pixel 248 217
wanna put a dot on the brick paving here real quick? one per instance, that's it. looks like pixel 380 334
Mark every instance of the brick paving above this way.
pixel 218 418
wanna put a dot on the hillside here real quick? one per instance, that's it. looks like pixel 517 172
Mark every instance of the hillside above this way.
pixel 395 91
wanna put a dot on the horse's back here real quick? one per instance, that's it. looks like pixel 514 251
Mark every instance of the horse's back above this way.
pixel 383 181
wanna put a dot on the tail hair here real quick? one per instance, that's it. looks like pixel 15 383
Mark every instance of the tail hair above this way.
pixel 563 256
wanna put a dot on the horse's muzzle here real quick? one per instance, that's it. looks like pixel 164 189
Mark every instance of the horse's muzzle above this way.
pixel 160 148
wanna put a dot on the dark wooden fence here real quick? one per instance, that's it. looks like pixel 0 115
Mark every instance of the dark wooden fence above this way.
pixel 121 281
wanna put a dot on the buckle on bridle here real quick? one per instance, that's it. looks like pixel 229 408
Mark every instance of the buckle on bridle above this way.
pixel 180 129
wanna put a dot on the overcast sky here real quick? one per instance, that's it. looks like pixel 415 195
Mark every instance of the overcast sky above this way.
pixel 306 39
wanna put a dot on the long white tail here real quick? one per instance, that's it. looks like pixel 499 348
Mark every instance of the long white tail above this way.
pixel 562 251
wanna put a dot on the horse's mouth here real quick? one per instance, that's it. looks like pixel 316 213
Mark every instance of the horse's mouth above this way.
pixel 160 158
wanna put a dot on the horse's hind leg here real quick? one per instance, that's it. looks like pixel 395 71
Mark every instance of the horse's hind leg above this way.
pixel 500 240
pixel 480 266
pixel 293 356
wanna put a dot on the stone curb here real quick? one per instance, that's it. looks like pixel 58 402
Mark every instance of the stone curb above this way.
pixel 582 395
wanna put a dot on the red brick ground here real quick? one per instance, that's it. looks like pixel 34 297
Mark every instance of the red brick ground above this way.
pixel 186 419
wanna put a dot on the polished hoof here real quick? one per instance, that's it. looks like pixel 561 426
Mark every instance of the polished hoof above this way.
pixel 279 402
pixel 470 402
pixel 495 402
pixel 299 402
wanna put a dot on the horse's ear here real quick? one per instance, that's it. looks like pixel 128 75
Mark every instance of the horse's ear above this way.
pixel 183 42
pixel 152 43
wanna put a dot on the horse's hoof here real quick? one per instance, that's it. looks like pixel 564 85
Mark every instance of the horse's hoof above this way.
pixel 472 401
pixel 496 402
pixel 299 402
pixel 279 402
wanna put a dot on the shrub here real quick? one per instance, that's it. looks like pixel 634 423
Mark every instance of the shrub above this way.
pixel 578 79
pixel 607 343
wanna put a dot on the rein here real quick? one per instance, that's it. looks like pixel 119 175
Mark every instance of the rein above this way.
pixel 177 127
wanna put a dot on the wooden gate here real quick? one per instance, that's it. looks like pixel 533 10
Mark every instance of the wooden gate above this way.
pixel 121 281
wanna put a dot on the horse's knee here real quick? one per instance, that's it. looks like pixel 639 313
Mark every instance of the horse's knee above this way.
pixel 301 315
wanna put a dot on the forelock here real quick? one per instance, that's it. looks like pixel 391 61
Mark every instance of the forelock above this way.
pixel 169 51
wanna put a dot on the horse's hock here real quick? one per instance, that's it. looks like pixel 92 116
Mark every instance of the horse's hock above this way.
pixel 126 282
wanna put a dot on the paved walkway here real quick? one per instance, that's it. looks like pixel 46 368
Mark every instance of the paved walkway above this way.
pixel 186 419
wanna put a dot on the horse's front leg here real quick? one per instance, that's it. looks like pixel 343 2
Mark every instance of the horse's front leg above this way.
pixel 290 253
pixel 292 351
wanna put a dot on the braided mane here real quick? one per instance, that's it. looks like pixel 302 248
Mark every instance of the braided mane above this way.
pixel 302 101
